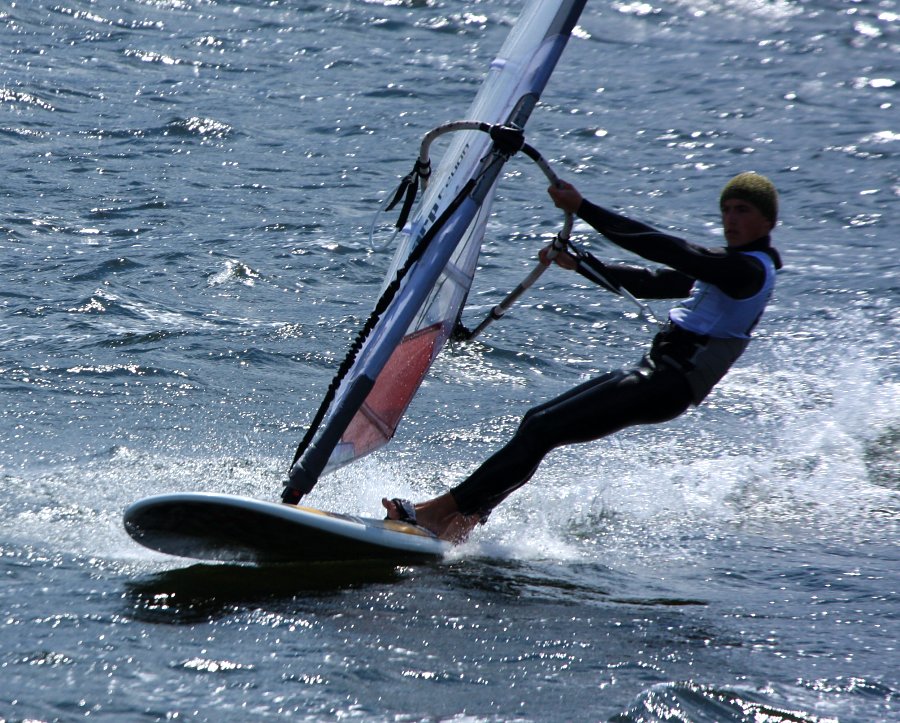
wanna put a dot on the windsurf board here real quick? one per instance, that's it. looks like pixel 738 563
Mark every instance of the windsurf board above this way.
pixel 233 528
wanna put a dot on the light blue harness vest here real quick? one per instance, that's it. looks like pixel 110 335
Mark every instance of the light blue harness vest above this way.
pixel 722 326
pixel 711 312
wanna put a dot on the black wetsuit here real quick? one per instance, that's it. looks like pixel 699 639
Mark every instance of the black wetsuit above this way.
pixel 679 370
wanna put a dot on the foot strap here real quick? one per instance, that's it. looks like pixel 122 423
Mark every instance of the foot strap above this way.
pixel 406 510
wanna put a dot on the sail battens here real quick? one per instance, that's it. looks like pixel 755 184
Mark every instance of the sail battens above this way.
pixel 457 275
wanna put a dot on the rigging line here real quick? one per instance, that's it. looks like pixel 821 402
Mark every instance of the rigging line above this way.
pixel 601 280
pixel 382 246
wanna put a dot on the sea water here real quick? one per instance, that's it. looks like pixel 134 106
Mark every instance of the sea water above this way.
pixel 187 194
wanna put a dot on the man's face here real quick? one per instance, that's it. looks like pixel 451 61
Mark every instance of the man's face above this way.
pixel 743 222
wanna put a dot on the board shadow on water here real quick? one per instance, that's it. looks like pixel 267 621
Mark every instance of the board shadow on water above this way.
pixel 201 591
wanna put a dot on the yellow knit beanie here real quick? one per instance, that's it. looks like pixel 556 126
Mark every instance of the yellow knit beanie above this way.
pixel 755 189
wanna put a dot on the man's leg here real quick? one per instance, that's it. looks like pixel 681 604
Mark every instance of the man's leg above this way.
pixel 589 412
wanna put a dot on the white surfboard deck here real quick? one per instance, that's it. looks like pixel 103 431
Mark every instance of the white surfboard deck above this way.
pixel 232 528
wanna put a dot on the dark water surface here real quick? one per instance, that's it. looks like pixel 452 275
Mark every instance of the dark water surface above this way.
pixel 188 189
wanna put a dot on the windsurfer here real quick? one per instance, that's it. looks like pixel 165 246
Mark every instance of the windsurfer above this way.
pixel 727 290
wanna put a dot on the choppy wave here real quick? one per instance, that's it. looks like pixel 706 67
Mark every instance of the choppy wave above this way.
pixel 700 703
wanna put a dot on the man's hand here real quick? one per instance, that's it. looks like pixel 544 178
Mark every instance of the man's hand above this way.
pixel 563 258
pixel 565 196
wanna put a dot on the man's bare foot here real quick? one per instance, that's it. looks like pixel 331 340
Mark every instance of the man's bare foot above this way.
pixel 439 515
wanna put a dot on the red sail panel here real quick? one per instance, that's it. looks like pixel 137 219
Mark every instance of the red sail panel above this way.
pixel 377 419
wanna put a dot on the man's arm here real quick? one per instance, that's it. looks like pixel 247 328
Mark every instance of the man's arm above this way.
pixel 737 275
pixel 641 282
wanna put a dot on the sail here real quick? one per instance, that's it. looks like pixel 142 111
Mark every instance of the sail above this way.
pixel 436 257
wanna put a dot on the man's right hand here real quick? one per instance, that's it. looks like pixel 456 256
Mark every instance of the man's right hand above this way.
pixel 565 196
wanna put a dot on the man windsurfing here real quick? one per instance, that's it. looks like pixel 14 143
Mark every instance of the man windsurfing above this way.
pixel 724 292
